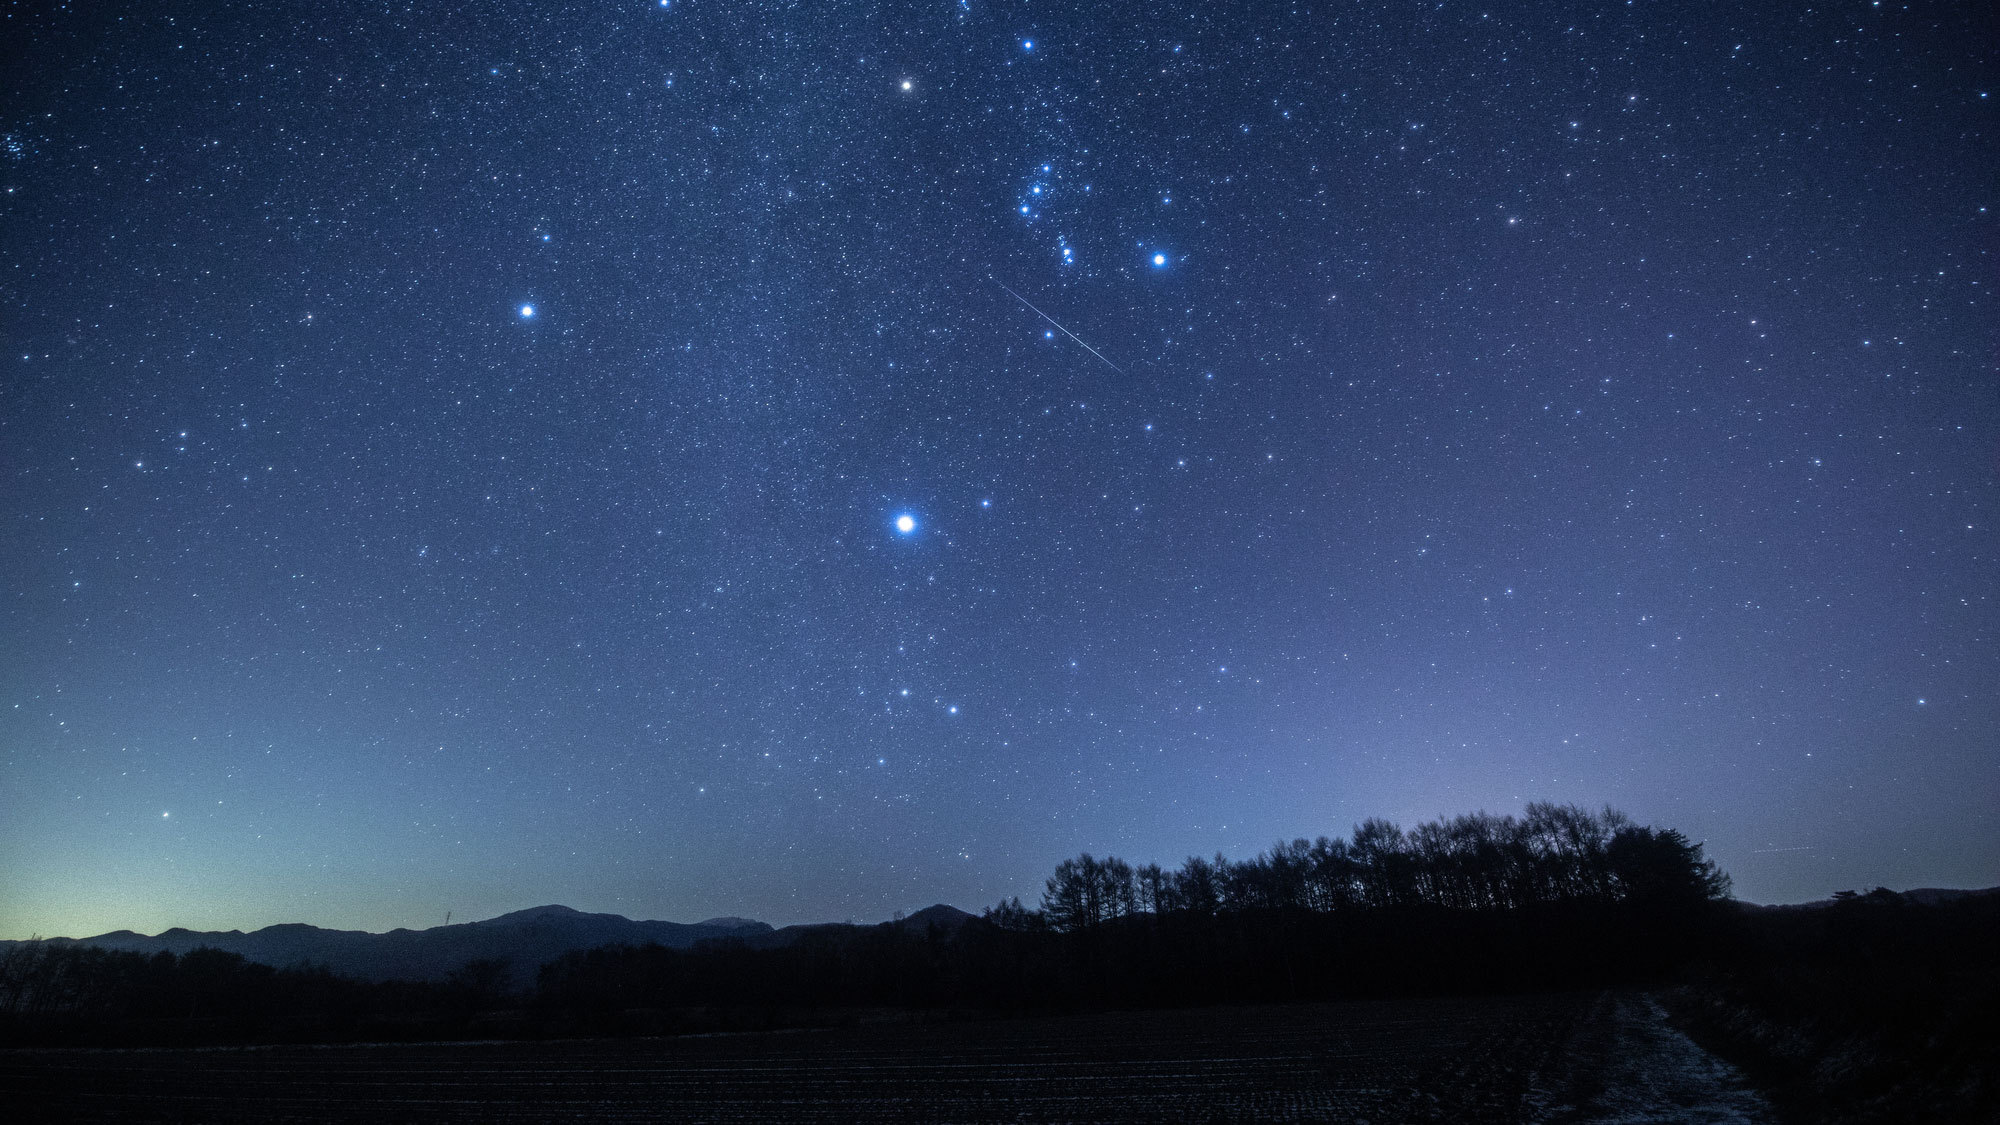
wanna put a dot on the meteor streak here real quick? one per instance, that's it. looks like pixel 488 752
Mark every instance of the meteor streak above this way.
pixel 1058 324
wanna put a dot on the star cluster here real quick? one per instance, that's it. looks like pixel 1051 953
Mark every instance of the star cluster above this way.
pixel 687 459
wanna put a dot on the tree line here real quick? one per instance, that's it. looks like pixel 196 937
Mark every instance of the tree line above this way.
pixel 60 992
pixel 1552 854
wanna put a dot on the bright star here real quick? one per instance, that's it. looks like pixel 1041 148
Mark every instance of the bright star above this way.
pixel 1159 260
pixel 527 312
pixel 905 524
pixel 907 85
pixel 1027 44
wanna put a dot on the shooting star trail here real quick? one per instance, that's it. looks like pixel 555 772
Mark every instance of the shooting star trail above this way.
pixel 1058 324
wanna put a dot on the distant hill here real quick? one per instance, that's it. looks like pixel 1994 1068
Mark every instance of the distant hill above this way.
pixel 525 939
pixel 1921 896
pixel 939 917
pixel 947 920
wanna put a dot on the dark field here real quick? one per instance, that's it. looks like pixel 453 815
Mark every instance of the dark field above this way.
pixel 1462 1060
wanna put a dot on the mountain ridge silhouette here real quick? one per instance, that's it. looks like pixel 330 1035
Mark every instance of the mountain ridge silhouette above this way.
pixel 523 939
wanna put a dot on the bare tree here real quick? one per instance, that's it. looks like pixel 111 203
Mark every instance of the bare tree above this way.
pixel 1199 883
pixel 1087 891
pixel 1150 885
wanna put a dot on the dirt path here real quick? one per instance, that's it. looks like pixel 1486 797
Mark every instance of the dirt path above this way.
pixel 1632 1067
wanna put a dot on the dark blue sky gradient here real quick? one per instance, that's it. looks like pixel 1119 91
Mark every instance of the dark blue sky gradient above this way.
pixel 1429 408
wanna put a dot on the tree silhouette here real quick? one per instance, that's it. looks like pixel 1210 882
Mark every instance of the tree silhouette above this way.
pixel 1009 914
pixel 1661 868
pixel 1085 892
pixel 1197 886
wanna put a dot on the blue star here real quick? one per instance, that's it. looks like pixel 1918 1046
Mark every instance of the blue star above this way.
pixel 1159 261
pixel 906 524
pixel 527 312
pixel 1027 44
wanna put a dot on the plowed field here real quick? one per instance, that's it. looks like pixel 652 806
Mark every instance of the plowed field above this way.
pixel 1459 1060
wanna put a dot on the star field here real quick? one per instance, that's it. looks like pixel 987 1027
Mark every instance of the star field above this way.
pixel 687 459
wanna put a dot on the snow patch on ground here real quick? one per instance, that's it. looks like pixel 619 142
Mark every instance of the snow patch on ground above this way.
pixel 1645 1071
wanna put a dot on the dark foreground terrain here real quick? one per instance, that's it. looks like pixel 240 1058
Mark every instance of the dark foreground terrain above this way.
pixel 1498 1059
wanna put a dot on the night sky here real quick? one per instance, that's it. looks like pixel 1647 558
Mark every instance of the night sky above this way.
pixel 807 461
